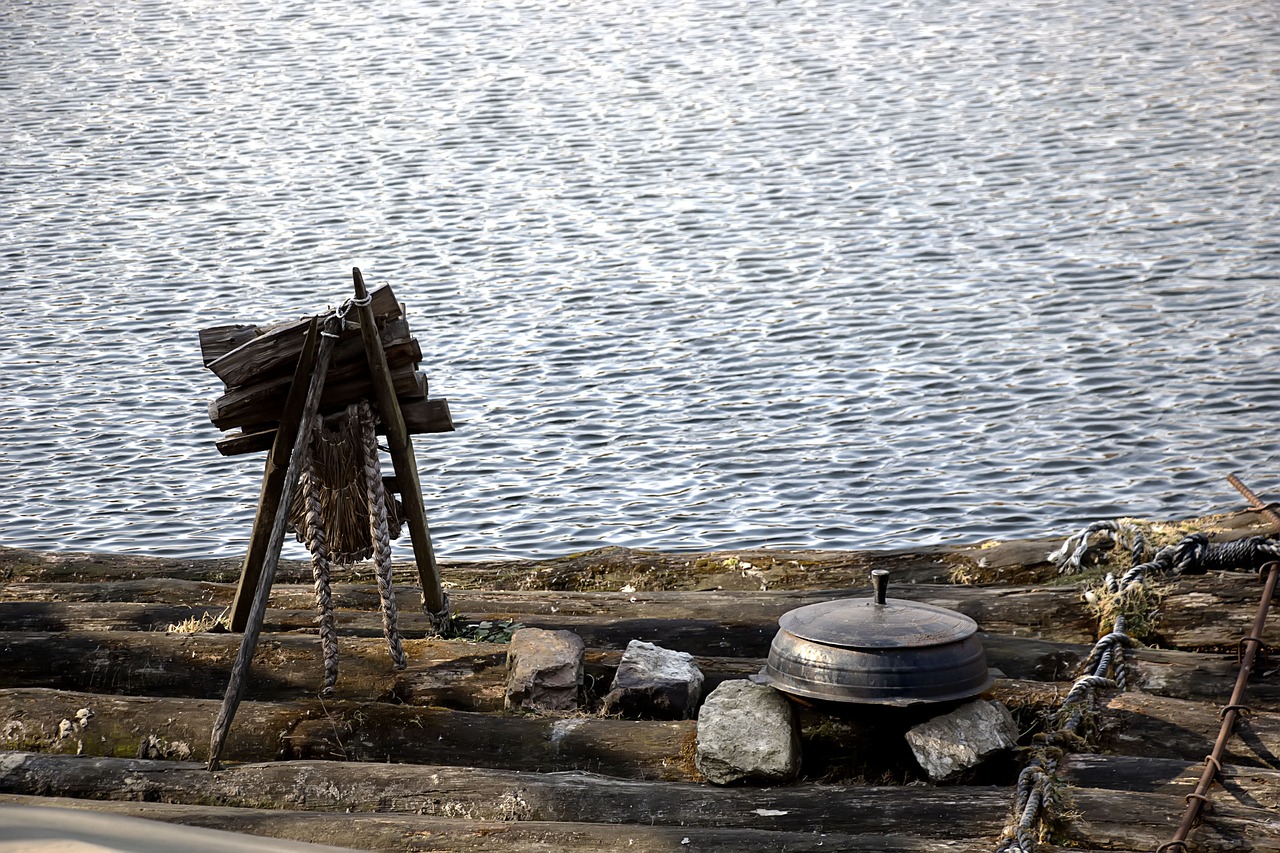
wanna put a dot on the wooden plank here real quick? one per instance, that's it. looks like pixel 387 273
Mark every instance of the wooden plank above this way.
pixel 402 459
pixel 345 384
pixel 217 341
pixel 273 500
pixel 420 416
pixel 1249 786
pixel 275 351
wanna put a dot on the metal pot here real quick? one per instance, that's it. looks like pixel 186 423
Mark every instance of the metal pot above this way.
pixel 877 650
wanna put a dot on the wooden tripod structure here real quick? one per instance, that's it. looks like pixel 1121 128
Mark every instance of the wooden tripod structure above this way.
pixel 283 469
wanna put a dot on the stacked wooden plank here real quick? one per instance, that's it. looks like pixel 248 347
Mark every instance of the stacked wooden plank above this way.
pixel 256 364
pixel 428 759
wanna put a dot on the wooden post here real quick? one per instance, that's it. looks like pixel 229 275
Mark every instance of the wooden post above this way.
pixel 406 467
pixel 322 345
pixel 273 495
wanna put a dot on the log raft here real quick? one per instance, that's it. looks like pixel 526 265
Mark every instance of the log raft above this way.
pixel 427 759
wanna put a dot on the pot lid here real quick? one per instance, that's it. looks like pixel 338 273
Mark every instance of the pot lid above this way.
pixel 878 622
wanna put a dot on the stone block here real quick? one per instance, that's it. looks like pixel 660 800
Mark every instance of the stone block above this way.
pixel 655 683
pixel 747 732
pixel 948 745
pixel 544 670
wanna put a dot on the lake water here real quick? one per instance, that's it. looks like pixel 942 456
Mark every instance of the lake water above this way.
pixel 691 273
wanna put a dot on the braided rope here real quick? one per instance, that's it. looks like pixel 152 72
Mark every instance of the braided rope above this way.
pixel 318 546
pixel 381 534
pixel 1106 667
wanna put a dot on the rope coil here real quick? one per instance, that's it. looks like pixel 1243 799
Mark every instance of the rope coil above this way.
pixel 1106 666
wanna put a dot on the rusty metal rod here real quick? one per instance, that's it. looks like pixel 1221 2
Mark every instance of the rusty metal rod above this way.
pixel 1249 652
pixel 1254 501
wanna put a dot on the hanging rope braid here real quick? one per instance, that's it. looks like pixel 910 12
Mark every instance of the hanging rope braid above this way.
pixel 1106 667
pixel 380 534
pixel 318 546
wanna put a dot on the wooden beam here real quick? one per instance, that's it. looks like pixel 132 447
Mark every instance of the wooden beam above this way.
pixel 328 336
pixel 402 458
pixel 273 500
pixel 420 416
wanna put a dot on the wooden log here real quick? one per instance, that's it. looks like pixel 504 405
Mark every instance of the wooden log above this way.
pixel 263 401
pixel 217 341
pixel 611 568
pixel 492 794
pixel 471 676
pixel 251 619
pixel 128 726
pixel 423 834
pixel 1202 613
pixel 420 416
pixel 1111 820
pixel 453 674
pixel 275 351
pixel 1256 787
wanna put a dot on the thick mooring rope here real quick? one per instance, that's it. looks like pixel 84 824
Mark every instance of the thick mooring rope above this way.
pixel 1038 788
pixel 318 546
pixel 380 533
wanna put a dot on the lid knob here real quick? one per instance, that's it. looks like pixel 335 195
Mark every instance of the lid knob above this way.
pixel 880 582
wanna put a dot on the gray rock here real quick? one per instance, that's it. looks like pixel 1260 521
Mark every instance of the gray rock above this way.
pixel 656 683
pixel 747 732
pixel 544 670
pixel 946 746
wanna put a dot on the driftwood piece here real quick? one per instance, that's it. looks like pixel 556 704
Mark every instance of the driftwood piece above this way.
pixel 951 813
pixel 1159 727
pixel 275 350
pixel 495 794
pixel 217 341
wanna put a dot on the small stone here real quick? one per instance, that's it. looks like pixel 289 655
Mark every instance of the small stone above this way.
pixel 654 682
pixel 747 732
pixel 948 745
pixel 544 670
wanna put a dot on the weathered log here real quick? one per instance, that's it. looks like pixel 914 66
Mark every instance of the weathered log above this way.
pixel 264 401
pixel 447 673
pixel 420 416
pixel 126 726
pixel 275 350
pixel 612 568
pixel 217 341
pixel 491 794
pixel 1204 612
pixel 1256 787
pixel 423 834
pixel 1110 820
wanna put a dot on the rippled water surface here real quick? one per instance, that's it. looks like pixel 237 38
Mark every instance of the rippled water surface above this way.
pixel 691 273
